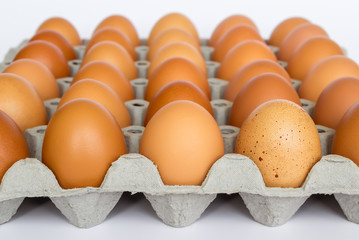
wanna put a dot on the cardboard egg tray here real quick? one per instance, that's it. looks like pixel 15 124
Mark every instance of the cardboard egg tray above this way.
pixel 177 206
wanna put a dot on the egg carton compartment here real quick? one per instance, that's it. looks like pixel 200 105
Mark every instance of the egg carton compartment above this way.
pixel 179 206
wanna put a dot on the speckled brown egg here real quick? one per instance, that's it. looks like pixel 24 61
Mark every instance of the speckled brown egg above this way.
pixel 282 140
pixel 242 54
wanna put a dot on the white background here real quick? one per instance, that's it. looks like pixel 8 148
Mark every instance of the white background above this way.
pixel 133 218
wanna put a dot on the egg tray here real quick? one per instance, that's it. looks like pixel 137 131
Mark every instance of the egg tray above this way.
pixel 177 206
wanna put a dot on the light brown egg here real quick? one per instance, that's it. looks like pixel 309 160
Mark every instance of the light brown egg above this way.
pixel 172 20
pixel 168 36
pixel 232 37
pixel 284 28
pixel 183 148
pixel 226 24
pixel 242 54
pixel 345 141
pixel 62 26
pixel 80 143
pixel 325 72
pixel 260 89
pixel 282 140
pixel 38 75
pixel 112 53
pixel 107 74
pixel 19 100
pixel 176 68
pixel 310 52
pixel 178 49
pixel 48 54
pixel 335 100
pixel 57 39
pixel 177 90
pixel 114 35
pixel 13 144
pixel 249 71
pixel 296 37
pixel 123 24
pixel 101 93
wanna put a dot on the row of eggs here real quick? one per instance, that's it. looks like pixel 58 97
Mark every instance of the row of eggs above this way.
pixel 212 148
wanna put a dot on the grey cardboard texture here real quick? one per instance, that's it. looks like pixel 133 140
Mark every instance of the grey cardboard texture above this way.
pixel 177 206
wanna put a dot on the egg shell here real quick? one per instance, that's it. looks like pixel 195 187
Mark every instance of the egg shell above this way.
pixel 309 53
pixel 113 53
pixel 177 49
pixel 176 68
pixel 64 27
pixel 100 93
pixel 172 20
pixel 335 100
pixel 19 100
pixel 249 71
pixel 57 39
pixel 80 143
pixel 296 37
pixel 121 23
pixel 226 24
pixel 48 54
pixel 242 54
pixel 13 145
pixel 168 36
pixel 37 74
pixel 282 140
pixel 185 156
pixel 232 37
pixel 107 74
pixel 260 89
pixel 345 141
pixel 114 35
pixel 284 28
pixel 325 72
pixel 177 90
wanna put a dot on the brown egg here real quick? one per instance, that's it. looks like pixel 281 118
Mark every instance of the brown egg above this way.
pixel 172 20
pixel 249 71
pixel 325 72
pixel 284 28
pixel 309 53
pixel 177 90
pixel 177 49
pixel 107 74
pixel 296 37
pixel 48 54
pixel 114 35
pixel 260 89
pixel 226 24
pixel 176 68
pixel 232 37
pixel 282 140
pixel 38 75
pixel 183 148
pixel 112 53
pixel 100 93
pixel 13 144
pixel 345 141
pixel 80 143
pixel 123 24
pixel 242 54
pixel 62 26
pixel 19 100
pixel 57 39
pixel 335 100
pixel 168 36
